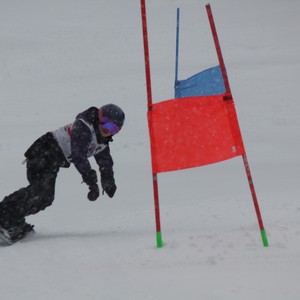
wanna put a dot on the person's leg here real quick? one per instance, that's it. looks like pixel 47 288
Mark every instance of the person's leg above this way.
pixel 38 195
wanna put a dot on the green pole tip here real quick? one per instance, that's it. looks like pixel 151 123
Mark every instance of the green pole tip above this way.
pixel 264 238
pixel 159 241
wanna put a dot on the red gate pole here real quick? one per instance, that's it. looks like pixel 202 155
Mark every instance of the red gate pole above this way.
pixel 229 96
pixel 146 54
pixel 218 49
pixel 159 241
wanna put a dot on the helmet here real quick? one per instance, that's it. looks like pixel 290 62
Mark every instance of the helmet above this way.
pixel 112 112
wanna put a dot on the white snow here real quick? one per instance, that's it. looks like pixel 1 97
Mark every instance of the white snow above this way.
pixel 60 57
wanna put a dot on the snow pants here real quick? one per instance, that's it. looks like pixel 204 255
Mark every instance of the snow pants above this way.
pixel 42 170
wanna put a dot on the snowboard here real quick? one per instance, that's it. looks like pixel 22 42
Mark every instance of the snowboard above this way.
pixel 6 239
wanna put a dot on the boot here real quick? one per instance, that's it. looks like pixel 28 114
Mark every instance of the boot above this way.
pixel 16 232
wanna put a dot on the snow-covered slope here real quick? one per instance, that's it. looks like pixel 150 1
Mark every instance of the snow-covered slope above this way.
pixel 59 57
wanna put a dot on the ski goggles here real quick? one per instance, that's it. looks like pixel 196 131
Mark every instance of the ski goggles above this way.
pixel 109 125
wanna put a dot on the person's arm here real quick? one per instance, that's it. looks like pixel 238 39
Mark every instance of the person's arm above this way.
pixel 80 140
pixel 105 163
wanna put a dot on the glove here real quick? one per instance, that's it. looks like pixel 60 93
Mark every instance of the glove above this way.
pixel 109 187
pixel 90 178
pixel 94 192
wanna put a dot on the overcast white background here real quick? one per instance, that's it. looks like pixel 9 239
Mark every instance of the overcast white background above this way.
pixel 59 57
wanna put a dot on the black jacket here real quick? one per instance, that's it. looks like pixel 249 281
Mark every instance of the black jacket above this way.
pixel 46 147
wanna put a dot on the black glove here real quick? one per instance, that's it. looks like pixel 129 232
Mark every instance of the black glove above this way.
pixel 94 192
pixel 109 187
pixel 90 178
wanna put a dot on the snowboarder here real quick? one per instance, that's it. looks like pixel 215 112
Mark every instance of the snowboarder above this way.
pixel 89 135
